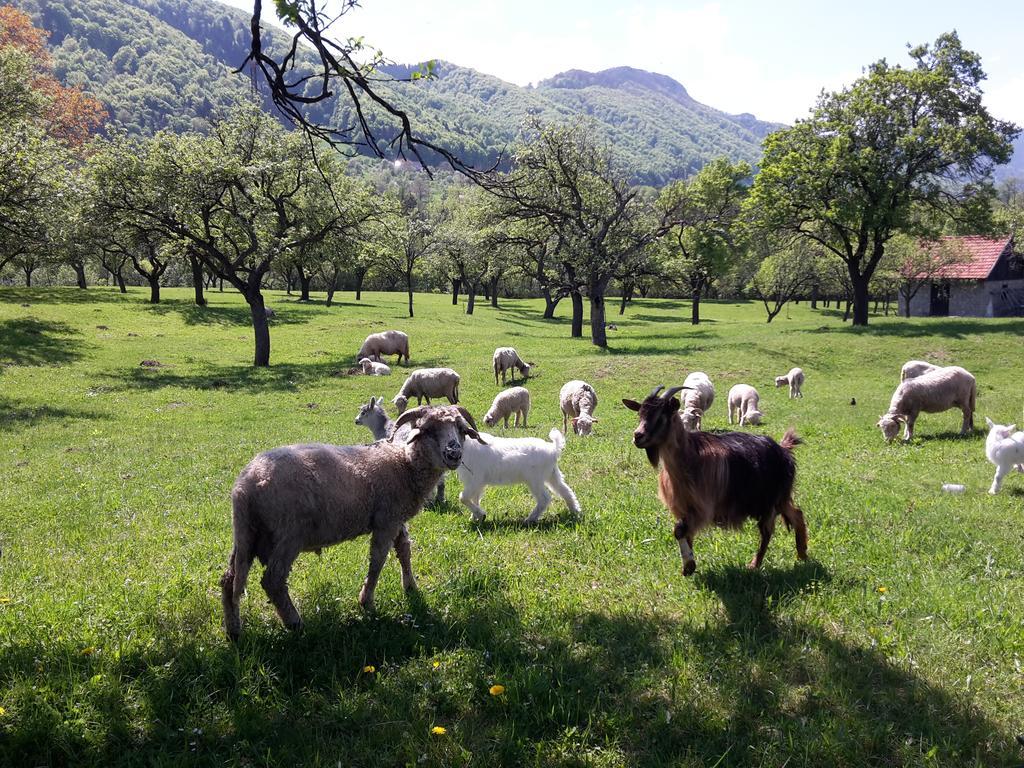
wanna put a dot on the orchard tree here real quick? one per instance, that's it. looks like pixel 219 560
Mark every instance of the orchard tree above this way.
pixel 786 271
pixel 851 175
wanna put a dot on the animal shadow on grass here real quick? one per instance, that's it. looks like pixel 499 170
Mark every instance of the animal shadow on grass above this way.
pixel 800 690
pixel 973 435
pixel 28 341
pixel 552 519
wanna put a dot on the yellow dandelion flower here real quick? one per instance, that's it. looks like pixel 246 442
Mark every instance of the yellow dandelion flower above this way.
pixel 437 664
pixel 369 669
pixel 2 711
pixel 439 730
pixel 89 651
pixel 4 600
pixel 496 690
pixel 883 590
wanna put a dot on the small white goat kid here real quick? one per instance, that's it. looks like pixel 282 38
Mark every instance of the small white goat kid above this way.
pixel 1005 449
pixel 510 461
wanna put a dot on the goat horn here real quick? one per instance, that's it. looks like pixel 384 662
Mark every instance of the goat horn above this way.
pixel 674 391
pixel 466 415
pixel 655 391
pixel 411 415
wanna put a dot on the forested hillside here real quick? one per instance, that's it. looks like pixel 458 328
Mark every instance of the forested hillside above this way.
pixel 169 64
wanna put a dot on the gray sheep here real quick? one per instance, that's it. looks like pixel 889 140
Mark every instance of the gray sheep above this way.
pixel 377 345
pixel 507 359
pixel 302 498
pixel 932 392
pixel 578 401
pixel 425 383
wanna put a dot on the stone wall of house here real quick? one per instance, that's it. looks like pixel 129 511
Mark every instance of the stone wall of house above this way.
pixel 967 298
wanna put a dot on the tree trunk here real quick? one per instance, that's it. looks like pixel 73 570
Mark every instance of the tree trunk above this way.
pixel 197 279
pixel 222 285
pixel 494 292
pixel 360 276
pixel 120 282
pixel 289 280
pixel 577 315
pixel 814 296
pixel 470 299
pixel 549 304
pixel 330 292
pixel 695 306
pixel 627 295
pixel 28 277
pixel 487 293
pixel 456 284
pixel 260 329
pixel 598 337
pixel 408 285
pixel 154 290
pixel 644 290
pixel 79 268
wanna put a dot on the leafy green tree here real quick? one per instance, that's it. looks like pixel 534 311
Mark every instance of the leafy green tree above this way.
pixel 853 174
pixel 786 271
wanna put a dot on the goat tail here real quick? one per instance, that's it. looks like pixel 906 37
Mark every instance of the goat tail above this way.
pixel 790 439
pixel 558 439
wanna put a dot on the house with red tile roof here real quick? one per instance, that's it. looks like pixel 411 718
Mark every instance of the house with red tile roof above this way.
pixel 985 280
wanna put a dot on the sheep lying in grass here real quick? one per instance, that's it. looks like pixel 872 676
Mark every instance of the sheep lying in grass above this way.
pixel 932 392
pixel 1005 448
pixel 914 368
pixel 507 359
pixel 302 498
pixel 578 401
pixel 371 368
pixel 377 345
pixel 372 416
pixel 697 396
pixel 743 401
pixel 510 461
pixel 507 402
pixel 795 380
pixel 425 383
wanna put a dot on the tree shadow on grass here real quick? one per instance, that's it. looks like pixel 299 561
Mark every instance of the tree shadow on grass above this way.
pixel 750 687
pixel 14 415
pixel 235 315
pixel 28 341
pixel 958 328
pixel 61 295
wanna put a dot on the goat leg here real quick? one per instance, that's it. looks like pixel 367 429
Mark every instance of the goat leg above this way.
pixel 275 584
pixel 380 543
pixel 403 551
pixel 766 528
pixel 685 541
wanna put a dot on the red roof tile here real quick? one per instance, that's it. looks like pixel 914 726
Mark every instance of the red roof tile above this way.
pixel 981 255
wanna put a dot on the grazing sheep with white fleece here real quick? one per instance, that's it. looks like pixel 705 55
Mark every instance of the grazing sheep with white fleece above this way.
pixel 425 383
pixel 514 460
pixel 578 401
pixel 933 392
pixel 914 368
pixel 795 380
pixel 507 359
pixel 370 368
pixel 1005 448
pixel 743 400
pixel 698 394
pixel 302 498
pixel 507 402
pixel 377 345
pixel 373 416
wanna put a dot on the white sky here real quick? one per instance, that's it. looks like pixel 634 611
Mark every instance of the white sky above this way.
pixel 771 59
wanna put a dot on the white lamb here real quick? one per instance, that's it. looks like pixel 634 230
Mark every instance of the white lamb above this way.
pixel 507 359
pixel 914 368
pixel 370 368
pixel 515 400
pixel 1005 449
pixel 743 400
pixel 514 460
pixel 425 383
pixel 578 401
pixel 795 380
pixel 698 395
pixel 933 392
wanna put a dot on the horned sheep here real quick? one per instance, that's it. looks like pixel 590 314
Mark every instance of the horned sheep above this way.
pixel 506 403
pixel 795 380
pixel 377 345
pixel 932 392
pixel 697 396
pixel 302 498
pixel 578 401
pixel 743 401
pixel 425 383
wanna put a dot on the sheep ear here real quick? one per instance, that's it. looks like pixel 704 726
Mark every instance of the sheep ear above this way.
pixel 673 405
pixel 633 405
pixel 989 423
pixel 414 434
pixel 595 420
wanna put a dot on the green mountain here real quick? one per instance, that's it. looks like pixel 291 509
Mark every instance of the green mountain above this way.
pixel 169 64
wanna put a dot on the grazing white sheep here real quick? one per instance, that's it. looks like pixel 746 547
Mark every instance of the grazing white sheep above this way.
pixel 507 359
pixel 371 368
pixel 1005 448
pixel 302 498
pixel 510 461
pixel 795 380
pixel 578 401
pixel 914 368
pixel 515 400
pixel 932 392
pixel 377 345
pixel 425 383
pixel 698 394
pixel 743 401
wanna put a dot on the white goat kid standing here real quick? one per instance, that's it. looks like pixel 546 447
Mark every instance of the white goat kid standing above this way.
pixel 511 461
pixel 795 380
pixel 1005 448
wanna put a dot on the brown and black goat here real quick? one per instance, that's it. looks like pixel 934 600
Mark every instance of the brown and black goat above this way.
pixel 708 479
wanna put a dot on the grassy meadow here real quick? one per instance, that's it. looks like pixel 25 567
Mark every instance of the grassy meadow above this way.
pixel 900 641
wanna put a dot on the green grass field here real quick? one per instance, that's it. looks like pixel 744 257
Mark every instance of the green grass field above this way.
pixel 900 642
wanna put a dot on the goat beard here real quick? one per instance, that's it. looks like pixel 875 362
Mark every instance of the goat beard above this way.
pixel 652 455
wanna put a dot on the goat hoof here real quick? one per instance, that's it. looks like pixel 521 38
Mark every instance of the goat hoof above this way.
pixel 689 567
pixel 295 626
pixel 753 565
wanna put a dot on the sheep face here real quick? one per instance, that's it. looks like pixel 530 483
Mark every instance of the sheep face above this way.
pixel 491 418
pixel 583 425
pixel 890 426
pixel 439 432
pixel 691 419
pixel 401 403
pixel 656 415
pixel 753 416
pixel 366 364
pixel 781 381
